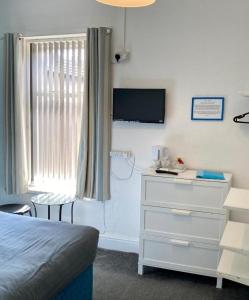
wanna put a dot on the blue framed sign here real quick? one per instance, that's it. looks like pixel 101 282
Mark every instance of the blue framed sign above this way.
pixel 207 109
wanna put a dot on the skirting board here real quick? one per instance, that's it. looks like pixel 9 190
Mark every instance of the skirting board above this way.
pixel 118 243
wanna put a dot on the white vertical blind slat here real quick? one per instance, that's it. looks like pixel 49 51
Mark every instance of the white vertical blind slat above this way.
pixel 61 105
pixel 66 131
pixel 79 85
pixel 56 109
pixel 35 129
pixel 40 106
pixel 45 115
pixel 50 110
pixel 73 110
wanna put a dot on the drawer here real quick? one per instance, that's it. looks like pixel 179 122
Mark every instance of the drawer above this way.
pixel 170 221
pixel 179 253
pixel 198 195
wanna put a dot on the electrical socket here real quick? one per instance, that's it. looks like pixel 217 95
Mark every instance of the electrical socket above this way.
pixel 120 154
pixel 121 56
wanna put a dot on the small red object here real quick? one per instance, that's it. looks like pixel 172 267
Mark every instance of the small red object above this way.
pixel 180 161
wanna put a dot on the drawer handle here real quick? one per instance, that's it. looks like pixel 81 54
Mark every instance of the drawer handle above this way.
pixel 180 212
pixel 183 181
pixel 180 243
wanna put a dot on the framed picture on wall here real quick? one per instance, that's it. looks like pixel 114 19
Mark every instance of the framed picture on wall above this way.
pixel 207 109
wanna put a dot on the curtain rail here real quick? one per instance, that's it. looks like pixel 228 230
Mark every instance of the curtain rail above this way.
pixel 61 36
pixel 41 37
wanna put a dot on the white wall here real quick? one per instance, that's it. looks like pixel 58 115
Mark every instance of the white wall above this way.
pixel 190 47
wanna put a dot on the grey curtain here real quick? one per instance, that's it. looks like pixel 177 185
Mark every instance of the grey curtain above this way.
pixel 93 175
pixel 17 115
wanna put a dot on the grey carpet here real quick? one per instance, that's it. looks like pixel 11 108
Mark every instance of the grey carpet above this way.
pixel 115 278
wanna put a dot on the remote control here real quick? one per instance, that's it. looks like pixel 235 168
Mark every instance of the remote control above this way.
pixel 158 171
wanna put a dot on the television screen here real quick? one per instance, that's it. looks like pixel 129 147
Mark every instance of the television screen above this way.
pixel 139 105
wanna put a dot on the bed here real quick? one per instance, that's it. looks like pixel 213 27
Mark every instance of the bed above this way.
pixel 44 260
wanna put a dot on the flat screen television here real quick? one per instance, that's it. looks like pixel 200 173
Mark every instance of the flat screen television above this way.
pixel 139 105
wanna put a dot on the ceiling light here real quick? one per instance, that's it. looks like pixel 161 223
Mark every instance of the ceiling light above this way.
pixel 127 3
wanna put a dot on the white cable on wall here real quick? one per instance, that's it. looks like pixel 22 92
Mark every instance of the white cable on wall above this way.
pixel 136 168
pixel 125 21
pixel 104 218
pixel 130 175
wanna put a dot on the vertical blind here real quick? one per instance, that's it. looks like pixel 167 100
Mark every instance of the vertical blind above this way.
pixel 57 75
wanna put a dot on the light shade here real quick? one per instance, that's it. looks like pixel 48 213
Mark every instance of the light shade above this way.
pixel 127 3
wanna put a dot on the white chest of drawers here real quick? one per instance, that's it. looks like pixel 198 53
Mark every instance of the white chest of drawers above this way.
pixel 182 221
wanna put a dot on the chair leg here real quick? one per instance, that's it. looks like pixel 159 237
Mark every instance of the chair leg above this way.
pixel 30 213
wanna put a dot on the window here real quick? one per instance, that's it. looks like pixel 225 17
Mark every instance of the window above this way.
pixel 56 82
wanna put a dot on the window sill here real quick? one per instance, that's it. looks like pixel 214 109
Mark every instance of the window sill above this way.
pixel 56 189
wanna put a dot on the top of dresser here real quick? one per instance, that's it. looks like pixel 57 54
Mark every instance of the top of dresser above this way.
pixel 187 175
